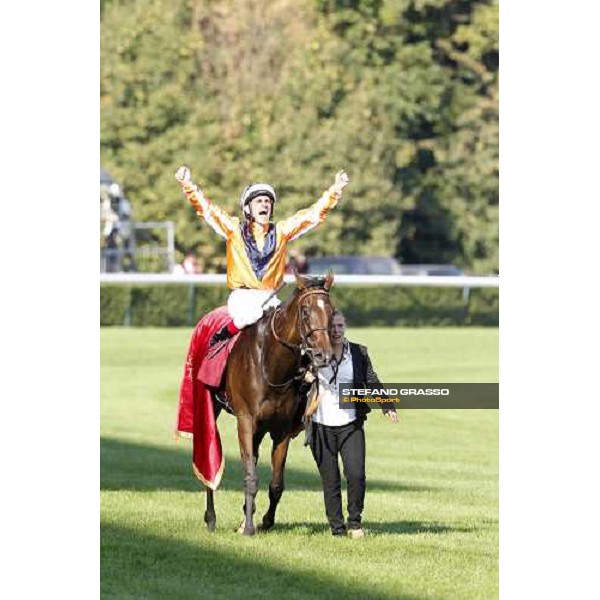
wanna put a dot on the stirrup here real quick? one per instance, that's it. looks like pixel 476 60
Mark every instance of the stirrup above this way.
pixel 221 335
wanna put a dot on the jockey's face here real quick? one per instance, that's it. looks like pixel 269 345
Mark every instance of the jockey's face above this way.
pixel 337 329
pixel 261 208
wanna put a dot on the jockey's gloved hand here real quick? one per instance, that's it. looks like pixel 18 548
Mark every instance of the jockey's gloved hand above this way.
pixel 183 175
pixel 341 181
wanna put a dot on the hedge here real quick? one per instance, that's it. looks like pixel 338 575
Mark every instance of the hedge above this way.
pixel 183 305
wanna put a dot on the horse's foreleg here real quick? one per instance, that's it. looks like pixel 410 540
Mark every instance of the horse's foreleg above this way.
pixel 246 430
pixel 210 517
pixel 276 487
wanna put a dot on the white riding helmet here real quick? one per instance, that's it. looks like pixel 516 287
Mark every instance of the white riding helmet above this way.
pixel 255 190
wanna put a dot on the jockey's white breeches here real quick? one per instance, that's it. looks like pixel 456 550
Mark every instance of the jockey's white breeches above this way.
pixel 246 306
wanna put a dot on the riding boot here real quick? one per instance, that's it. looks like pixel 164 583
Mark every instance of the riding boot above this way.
pixel 226 332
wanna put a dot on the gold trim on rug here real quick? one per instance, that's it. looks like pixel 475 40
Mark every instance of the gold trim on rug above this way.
pixel 213 485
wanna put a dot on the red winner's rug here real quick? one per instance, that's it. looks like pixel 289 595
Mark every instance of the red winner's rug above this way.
pixel 204 368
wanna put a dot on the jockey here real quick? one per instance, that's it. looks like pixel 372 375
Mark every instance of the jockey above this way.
pixel 256 247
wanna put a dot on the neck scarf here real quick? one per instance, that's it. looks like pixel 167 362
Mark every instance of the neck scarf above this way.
pixel 259 260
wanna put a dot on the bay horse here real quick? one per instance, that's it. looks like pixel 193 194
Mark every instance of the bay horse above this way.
pixel 261 380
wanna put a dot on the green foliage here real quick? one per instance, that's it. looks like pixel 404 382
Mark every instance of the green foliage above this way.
pixel 403 94
pixel 375 306
pixel 114 303
pixel 484 307
pixel 158 305
pixel 177 305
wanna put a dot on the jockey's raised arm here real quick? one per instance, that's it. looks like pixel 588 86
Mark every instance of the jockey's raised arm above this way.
pixel 216 217
pixel 307 219
pixel 256 246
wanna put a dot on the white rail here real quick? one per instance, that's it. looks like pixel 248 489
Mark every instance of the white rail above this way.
pixel 461 281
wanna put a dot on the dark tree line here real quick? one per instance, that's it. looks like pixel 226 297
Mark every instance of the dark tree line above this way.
pixel 402 94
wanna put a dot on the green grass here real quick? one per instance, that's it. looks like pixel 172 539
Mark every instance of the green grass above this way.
pixel 431 508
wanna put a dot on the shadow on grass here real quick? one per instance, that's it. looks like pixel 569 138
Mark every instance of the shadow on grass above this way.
pixel 130 466
pixel 139 565
pixel 394 528
pixel 413 528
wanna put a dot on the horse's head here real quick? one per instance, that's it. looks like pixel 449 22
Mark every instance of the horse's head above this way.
pixel 314 316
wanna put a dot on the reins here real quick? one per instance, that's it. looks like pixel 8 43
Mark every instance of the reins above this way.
pixel 304 348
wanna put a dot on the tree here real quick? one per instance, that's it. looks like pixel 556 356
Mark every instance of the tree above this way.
pixel 403 94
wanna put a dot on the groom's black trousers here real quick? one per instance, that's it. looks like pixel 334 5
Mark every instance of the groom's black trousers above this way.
pixel 327 443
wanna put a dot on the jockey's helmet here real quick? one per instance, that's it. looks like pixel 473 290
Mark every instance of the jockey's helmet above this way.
pixel 253 191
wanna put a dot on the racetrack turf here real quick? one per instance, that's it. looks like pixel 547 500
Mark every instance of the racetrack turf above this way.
pixel 432 486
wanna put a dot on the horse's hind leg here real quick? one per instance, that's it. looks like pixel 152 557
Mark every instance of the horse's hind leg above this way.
pixel 246 430
pixel 210 517
pixel 276 487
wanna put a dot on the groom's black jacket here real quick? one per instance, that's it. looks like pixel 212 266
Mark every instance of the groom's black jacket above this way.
pixel 364 377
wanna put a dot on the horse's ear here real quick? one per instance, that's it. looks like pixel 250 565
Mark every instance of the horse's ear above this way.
pixel 328 280
pixel 300 283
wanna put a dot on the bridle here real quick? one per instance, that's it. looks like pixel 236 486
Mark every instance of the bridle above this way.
pixel 302 349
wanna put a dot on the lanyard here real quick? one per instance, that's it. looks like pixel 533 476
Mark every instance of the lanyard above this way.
pixel 336 365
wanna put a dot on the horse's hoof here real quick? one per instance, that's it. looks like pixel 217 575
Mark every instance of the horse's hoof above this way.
pixel 211 524
pixel 242 527
pixel 266 526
